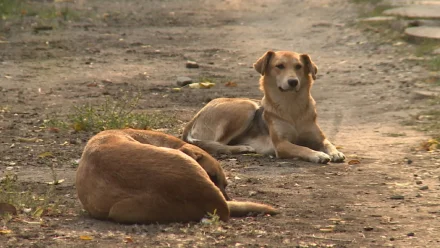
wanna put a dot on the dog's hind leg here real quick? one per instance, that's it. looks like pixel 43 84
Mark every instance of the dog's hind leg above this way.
pixel 214 147
pixel 156 209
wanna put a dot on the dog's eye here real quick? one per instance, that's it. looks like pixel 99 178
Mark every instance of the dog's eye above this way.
pixel 280 66
pixel 298 67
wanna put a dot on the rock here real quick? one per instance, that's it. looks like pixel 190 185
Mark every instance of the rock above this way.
pixel 419 182
pixel 415 11
pixel 368 228
pixel 424 32
pixel 191 64
pixel 424 187
pixel 252 193
pixel 182 81
pixel 421 94
pixel 378 19
pixel 411 234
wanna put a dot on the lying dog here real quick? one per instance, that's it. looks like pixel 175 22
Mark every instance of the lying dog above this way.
pixel 284 123
pixel 136 176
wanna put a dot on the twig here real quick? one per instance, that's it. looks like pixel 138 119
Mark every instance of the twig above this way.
pixel 331 239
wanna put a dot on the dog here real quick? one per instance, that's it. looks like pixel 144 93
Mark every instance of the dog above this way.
pixel 283 123
pixel 138 176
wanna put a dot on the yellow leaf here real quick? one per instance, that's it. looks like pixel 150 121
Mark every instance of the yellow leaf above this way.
pixel 5 231
pixel 46 155
pixel 38 212
pixel 176 89
pixel 85 237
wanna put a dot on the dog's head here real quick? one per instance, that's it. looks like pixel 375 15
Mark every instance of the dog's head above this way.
pixel 290 70
pixel 210 165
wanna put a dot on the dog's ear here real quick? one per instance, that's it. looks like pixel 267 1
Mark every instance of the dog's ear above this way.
pixel 309 66
pixel 262 64
pixel 191 152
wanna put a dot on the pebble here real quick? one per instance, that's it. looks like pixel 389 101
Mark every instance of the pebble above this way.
pixel 424 187
pixel 397 197
pixel 419 182
pixel 252 193
pixel 182 81
pixel 368 228
pixel 411 234
pixel 191 64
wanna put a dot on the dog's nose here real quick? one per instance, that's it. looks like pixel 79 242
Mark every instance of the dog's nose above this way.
pixel 292 82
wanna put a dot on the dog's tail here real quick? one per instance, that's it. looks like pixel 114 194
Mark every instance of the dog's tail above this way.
pixel 241 209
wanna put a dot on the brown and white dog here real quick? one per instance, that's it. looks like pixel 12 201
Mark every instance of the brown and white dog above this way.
pixel 138 176
pixel 283 123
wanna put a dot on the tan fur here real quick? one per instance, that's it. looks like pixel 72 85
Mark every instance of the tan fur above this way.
pixel 287 126
pixel 137 176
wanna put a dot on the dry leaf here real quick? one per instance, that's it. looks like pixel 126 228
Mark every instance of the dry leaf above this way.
pixel 85 237
pixel 354 161
pixel 231 84
pixel 46 155
pixel 431 145
pixel 56 182
pixel 128 240
pixel 6 208
pixel 53 130
pixel 27 140
pixel 5 231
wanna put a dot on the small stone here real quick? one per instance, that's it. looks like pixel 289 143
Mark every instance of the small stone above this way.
pixel 424 94
pixel 416 11
pixel 418 195
pixel 191 64
pixel 252 193
pixel 392 239
pixel 411 234
pixel 424 187
pixel 397 197
pixel 182 81
pixel 409 161
pixel 368 228
pixel 419 182
pixel 424 32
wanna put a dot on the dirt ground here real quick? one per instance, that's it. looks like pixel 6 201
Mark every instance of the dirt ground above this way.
pixel 363 93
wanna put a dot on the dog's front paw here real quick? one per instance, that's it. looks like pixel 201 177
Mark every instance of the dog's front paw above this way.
pixel 337 156
pixel 320 157
pixel 247 149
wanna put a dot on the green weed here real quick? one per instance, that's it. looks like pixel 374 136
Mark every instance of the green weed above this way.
pixel 112 114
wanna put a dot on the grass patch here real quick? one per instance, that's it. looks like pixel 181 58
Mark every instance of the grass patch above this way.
pixel 25 200
pixel 426 47
pixel 11 9
pixel 434 64
pixel 113 114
